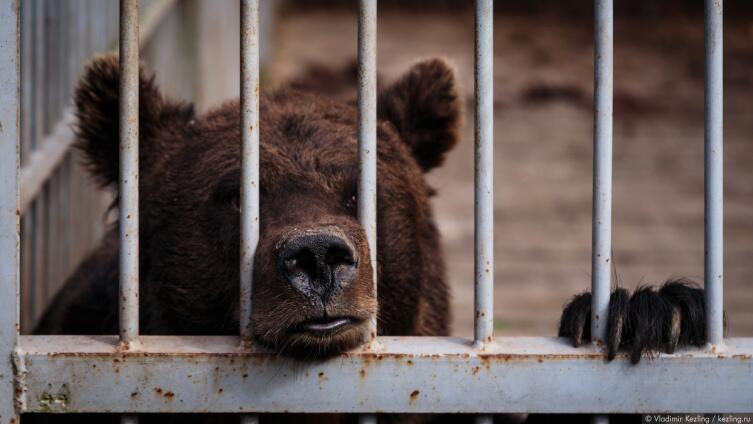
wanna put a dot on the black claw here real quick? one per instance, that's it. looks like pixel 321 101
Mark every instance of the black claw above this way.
pixel 575 322
pixel 618 309
pixel 646 322
pixel 673 324
pixel 688 299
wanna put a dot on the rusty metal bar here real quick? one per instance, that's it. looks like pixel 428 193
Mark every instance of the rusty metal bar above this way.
pixel 714 172
pixel 10 106
pixel 484 174
pixel 601 248
pixel 249 27
pixel 367 146
pixel 367 143
pixel 250 157
pixel 406 374
pixel 129 171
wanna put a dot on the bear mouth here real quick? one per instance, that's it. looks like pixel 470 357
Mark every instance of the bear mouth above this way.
pixel 326 325
pixel 315 338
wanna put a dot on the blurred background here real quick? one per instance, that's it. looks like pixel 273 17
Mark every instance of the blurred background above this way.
pixel 543 89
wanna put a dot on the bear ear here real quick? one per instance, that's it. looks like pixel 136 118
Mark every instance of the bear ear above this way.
pixel 424 106
pixel 96 100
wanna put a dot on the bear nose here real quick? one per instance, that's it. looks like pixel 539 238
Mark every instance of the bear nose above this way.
pixel 318 263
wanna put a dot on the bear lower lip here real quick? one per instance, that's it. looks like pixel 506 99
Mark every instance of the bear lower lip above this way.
pixel 324 325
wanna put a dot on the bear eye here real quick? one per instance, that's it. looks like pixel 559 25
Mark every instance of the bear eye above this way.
pixel 230 197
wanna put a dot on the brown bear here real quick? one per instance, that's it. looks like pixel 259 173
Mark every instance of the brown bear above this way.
pixel 312 288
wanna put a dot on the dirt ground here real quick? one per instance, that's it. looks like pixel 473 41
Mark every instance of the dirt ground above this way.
pixel 543 142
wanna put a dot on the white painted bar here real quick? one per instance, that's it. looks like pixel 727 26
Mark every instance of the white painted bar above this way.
pixel 129 171
pixel 714 172
pixel 367 142
pixel 249 158
pixel 484 174
pixel 601 248
pixel 405 374
pixel 10 106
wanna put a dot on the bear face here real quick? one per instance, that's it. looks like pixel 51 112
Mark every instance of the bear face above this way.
pixel 312 290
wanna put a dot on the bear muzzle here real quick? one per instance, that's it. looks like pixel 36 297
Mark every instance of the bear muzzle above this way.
pixel 318 263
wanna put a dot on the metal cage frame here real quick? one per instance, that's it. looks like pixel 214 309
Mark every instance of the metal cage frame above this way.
pixel 140 374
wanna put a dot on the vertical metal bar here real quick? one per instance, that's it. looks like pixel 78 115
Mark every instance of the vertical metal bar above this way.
pixel 367 419
pixel 367 144
pixel 129 171
pixel 714 173
pixel 249 419
pixel 129 419
pixel 601 246
pixel 250 165
pixel 484 419
pixel 484 178
pixel 601 242
pixel 10 98
pixel 250 156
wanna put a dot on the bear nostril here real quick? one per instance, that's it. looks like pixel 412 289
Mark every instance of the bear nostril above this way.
pixel 302 266
pixel 317 264
pixel 337 255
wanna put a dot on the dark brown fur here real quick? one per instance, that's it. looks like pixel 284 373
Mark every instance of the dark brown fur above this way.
pixel 189 196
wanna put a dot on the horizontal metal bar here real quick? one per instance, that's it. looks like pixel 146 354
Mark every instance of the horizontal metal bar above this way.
pixel 403 374
pixel 45 160
pixel 152 16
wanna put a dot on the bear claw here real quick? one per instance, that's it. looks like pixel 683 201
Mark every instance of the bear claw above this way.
pixel 648 321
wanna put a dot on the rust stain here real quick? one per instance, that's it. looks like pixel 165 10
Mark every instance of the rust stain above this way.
pixel 414 396
pixel 362 373
pixel 475 370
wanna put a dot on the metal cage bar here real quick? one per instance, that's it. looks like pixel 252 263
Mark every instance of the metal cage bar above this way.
pixel 10 104
pixel 367 146
pixel 129 171
pixel 405 374
pixel 367 143
pixel 484 175
pixel 250 157
pixel 601 243
pixel 250 166
pixel 397 374
pixel 714 173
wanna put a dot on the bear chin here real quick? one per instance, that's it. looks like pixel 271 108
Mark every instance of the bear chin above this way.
pixel 307 345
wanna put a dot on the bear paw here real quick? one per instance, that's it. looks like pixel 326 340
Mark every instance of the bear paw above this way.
pixel 648 321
